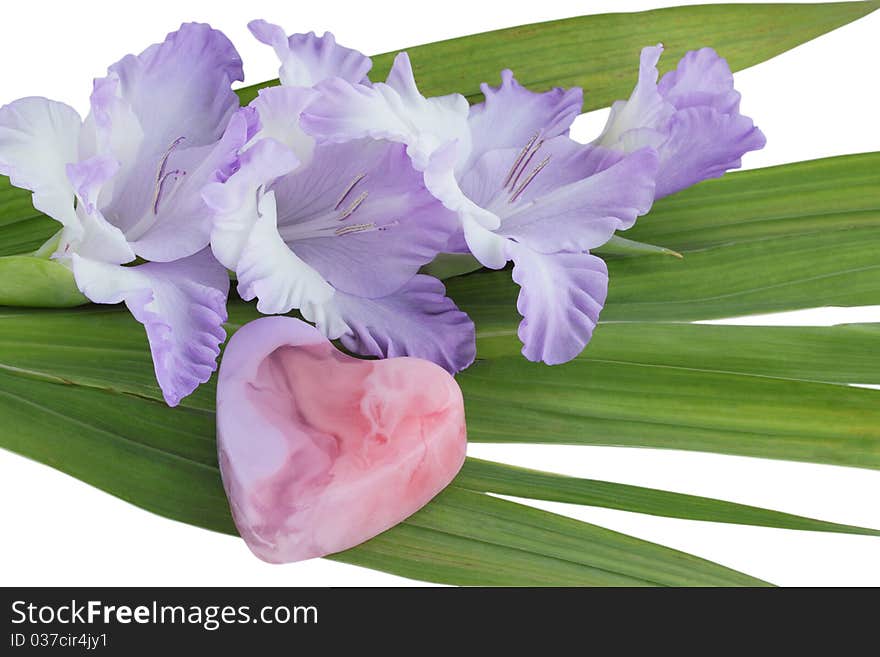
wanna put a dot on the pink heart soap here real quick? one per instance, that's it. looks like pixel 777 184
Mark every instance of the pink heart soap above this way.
pixel 320 451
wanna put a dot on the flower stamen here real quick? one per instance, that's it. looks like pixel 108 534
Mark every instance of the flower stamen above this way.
pixel 354 228
pixel 525 164
pixel 530 178
pixel 354 206
pixel 519 159
pixel 161 175
pixel 348 189
pixel 177 174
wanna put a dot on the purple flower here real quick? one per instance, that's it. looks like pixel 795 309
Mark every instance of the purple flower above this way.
pixel 691 118
pixel 126 183
pixel 522 189
pixel 337 231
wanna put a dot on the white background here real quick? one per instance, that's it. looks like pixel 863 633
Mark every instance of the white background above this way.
pixel 817 100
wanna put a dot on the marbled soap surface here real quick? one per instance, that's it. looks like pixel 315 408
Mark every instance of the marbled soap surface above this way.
pixel 321 451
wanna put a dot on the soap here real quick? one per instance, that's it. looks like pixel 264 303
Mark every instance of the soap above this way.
pixel 320 451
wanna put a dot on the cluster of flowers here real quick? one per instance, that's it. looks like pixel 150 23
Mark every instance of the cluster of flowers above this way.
pixel 329 193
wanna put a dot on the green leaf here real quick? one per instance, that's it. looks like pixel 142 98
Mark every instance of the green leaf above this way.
pixel 22 228
pixel 621 246
pixel 724 389
pixel 498 478
pixel 164 460
pixel 600 52
pixel 34 281
pixel 782 238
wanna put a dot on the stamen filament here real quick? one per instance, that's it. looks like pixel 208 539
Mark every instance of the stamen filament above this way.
pixel 354 228
pixel 529 179
pixel 354 206
pixel 160 172
pixel 348 189
pixel 178 173
pixel 519 159
pixel 525 165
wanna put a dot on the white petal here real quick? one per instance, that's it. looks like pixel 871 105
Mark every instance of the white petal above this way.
pixel 275 275
pixel 38 139
pixel 395 110
pixel 234 202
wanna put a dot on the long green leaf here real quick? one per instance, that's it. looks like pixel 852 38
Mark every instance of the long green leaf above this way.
pixel 600 52
pixel 164 460
pixel 762 391
pixel 684 395
pixel 486 476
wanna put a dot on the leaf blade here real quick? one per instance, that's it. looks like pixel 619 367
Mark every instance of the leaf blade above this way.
pixel 502 479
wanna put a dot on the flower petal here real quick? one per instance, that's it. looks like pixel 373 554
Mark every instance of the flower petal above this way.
pixel 178 222
pixel 419 320
pixel 573 200
pixel 38 139
pixel 396 111
pixel 646 107
pixel 511 115
pixel 233 202
pixel 702 78
pixel 93 237
pixel 560 299
pixel 703 143
pixel 361 216
pixel 181 304
pixel 151 109
pixel 278 110
pixel 269 271
pixel 182 86
pixel 307 59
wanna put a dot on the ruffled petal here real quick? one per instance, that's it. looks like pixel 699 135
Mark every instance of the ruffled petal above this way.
pixel 701 79
pixel 182 86
pixel 512 115
pixel 233 202
pixel 702 144
pixel 361 216
pixel 691 118
pixel 307 59
pixel 560 299
pixel 419 320
pixel 38 139
pixel 181 304
pixel 395 110
pixel 273 274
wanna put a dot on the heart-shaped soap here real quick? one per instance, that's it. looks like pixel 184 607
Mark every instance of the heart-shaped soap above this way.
pixel 320 451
